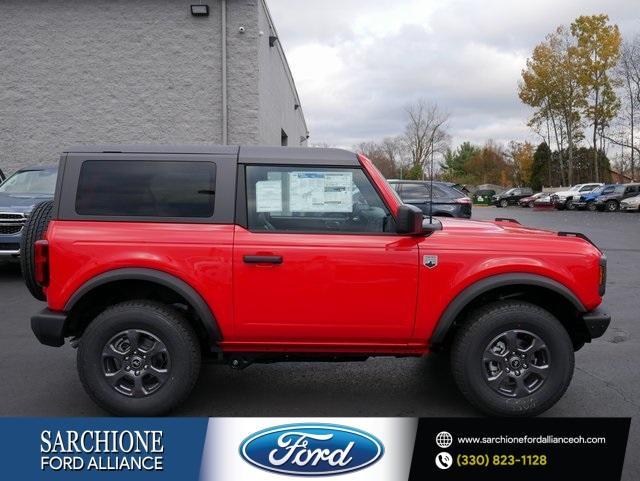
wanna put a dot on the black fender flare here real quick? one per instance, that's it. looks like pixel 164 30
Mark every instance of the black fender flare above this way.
pixel 478 288
pixel 172 282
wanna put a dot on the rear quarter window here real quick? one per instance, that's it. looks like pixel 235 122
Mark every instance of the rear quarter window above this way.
pixel 169 189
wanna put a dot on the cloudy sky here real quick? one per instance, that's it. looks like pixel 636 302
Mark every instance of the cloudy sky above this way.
pixel 358 63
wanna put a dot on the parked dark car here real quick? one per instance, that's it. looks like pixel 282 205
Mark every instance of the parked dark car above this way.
pixel 588 199
pixel 611 201
pixel 511 196
pixel 543 201
pixel 528 201
pixel 18 196
pixel 447 200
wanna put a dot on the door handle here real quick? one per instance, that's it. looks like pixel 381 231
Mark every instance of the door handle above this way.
pixel 262 259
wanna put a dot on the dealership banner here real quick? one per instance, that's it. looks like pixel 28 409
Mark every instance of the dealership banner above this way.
pixel 271 449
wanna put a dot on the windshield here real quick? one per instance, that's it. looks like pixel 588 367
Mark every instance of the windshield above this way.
pixel 509 191
pixel 576 187
pixel 30 182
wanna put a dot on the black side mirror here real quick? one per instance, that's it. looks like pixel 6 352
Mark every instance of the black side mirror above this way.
pixel 409 220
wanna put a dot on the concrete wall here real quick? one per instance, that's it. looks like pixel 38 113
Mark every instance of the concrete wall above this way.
pixel 75 71
pixel 119 71
pixel 276 90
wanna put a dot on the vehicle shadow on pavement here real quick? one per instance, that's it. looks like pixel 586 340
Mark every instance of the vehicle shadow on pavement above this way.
pixel 10 270
pixel 377 387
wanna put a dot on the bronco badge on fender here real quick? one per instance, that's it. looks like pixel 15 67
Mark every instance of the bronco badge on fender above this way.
pixel 311 449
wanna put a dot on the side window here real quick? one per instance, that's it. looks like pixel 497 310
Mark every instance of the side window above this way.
pixel 313 199
pixel 146 188
pixel 414 191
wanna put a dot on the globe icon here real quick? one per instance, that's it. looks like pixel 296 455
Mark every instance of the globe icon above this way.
pixel 444 439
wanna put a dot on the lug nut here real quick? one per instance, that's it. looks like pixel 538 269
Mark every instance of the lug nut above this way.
pixel 126 368
pixel 137 373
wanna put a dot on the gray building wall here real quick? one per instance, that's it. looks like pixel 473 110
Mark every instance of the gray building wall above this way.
pixel 143 71
pixel 278 96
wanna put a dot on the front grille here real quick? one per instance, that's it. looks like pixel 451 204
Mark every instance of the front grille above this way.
pixel 9 247
pixel 11 222
pixel 10 229
pixel 11 216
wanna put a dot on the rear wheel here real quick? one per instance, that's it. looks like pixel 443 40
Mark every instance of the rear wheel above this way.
pixel 34 230
pixel 611 206
pixel 139 358
pixel 591 206
pixel 512 359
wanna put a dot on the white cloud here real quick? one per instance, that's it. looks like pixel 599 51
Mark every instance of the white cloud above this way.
pixel 358 63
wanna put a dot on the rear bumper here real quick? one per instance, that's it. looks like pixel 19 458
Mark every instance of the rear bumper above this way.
pixel 596 322
pixel 48 326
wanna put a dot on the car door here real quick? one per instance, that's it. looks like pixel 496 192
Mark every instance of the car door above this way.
pixel 630 191
pixel 316 262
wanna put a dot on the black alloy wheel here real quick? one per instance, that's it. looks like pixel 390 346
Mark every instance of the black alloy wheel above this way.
pixel 516 363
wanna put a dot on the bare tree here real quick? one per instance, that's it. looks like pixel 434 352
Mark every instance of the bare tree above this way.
pixel 628 76
pixel 381 156
pixel 394 148
pixel 425 134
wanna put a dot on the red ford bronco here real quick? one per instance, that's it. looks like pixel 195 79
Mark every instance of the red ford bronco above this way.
pixel 154 258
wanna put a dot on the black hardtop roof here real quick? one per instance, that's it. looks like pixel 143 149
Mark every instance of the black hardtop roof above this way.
pixel 245 154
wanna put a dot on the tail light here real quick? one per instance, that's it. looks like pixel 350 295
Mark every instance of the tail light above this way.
pixel 463 200
pixel 602 281
pixel 41 261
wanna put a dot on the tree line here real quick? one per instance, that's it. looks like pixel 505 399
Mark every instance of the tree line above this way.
pixel 583 84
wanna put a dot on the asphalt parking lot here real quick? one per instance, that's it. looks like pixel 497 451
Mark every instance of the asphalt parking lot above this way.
pixel 42 381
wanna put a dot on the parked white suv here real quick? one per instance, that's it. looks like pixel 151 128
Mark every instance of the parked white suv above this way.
pixel 564 199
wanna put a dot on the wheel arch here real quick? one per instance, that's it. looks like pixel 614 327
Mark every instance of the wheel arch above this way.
pixel 534 288
pixel 176 289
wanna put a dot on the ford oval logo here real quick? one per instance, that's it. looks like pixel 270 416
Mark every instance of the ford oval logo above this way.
pixel 311 449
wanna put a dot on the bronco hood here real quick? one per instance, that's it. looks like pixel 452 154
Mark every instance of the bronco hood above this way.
pixel 490 227
pixel 511 236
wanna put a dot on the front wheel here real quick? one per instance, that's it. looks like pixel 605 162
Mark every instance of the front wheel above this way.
pixel 504 203
pixel 139 358
pixel 591 206
pixel 570 205
pixel 512 358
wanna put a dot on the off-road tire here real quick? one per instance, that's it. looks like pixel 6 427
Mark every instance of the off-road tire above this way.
pixel 485 324
pixel 34 230
pixel 164 322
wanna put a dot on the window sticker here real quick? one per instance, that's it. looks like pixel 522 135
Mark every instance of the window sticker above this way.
pixel 321 192
pixel 269 196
